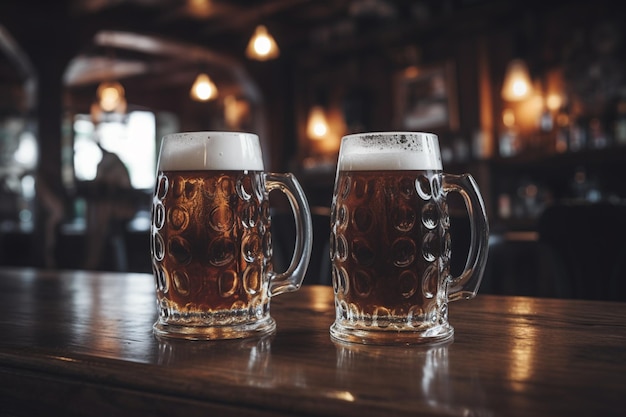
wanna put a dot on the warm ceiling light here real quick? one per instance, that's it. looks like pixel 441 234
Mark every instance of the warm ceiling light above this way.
pixel 203 89
pixel 554 102
pixel 199 8
pixel 508 118
pixel 317 126
pixel 517 85
pixel 262 45
pixel 111 96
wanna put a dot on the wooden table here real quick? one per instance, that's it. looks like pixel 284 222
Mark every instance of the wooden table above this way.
pixel 80 343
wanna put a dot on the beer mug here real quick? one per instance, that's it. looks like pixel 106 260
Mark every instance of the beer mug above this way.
pixel 390 240
pixel 211 242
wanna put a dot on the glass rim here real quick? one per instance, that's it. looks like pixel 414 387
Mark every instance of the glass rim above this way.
pixel 392 134
pixel 204 134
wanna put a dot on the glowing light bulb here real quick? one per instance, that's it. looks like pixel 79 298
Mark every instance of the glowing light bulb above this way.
pixel 517 83
pixel 317 126
pixel 262 45
pixel 110 95
pixel 203 88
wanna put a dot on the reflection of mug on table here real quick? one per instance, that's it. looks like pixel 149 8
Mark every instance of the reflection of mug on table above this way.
pixel 423 370
pixel 425 379
pixel 211 242
pixel 248 359
pixel 390 240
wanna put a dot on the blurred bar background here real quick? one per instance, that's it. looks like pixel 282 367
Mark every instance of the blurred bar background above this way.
pixel 527 96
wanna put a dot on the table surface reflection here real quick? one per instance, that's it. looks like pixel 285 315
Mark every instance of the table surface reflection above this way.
pixel 81 343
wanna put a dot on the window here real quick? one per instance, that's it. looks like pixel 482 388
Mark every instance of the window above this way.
pixel 131 138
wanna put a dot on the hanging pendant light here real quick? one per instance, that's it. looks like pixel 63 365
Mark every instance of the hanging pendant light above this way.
pixel 203 89
pixel 262 46
pixel 317 125
pixel 111 97
pixel 517 84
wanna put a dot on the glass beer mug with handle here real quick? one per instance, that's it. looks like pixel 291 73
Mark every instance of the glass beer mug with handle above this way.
pixel 391 243
pixel 211 242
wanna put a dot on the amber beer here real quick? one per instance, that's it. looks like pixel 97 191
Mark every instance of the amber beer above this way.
pixel 390 240
pixel 211 239
pixel 215 226
pixel 389 244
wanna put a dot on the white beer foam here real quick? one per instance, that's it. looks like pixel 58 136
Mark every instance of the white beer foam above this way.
pixel 228 151
pixel 390 151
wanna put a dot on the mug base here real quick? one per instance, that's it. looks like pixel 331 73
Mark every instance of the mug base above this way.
pixel 258 328
pixel 434 335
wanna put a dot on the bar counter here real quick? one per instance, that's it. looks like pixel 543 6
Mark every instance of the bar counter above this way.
pixel 80 343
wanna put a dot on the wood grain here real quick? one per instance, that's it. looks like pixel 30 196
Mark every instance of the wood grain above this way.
pixel 80 343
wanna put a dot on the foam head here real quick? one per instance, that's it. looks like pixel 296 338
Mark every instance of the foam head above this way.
pixel 389 151
pixel 229 151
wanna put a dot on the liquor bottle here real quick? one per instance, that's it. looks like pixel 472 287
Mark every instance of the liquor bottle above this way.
pixel 562 139
pixel 597 134
pixel 578 134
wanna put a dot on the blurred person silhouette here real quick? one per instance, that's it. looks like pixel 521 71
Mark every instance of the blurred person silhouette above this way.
pixel 109 209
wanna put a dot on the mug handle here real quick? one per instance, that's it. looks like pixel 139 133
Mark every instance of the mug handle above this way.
pixel 292 278
pixel 465 286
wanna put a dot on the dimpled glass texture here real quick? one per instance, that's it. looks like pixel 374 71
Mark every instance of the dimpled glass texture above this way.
pixel 390 250
pixel 211 248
